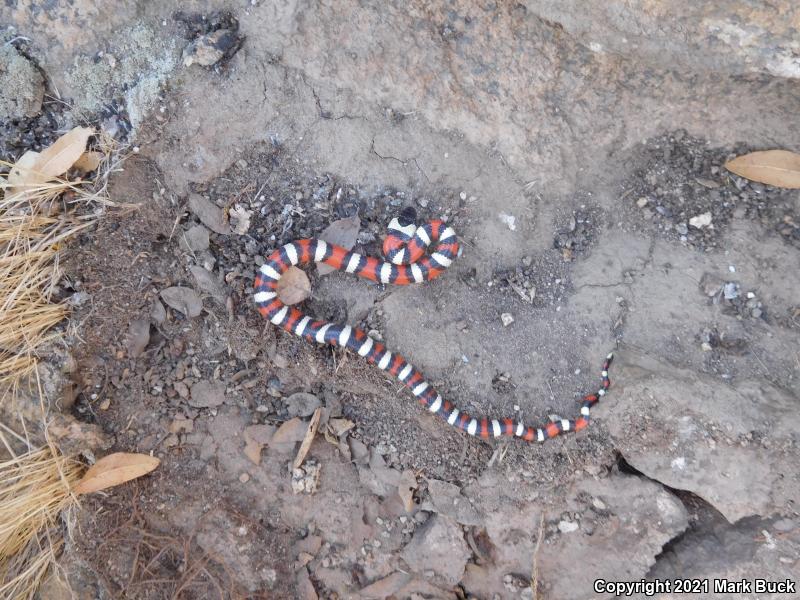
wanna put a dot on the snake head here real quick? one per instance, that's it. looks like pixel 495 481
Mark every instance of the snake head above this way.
pixel 408 216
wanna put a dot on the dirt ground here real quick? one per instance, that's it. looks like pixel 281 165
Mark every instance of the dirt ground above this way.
pixel 572 149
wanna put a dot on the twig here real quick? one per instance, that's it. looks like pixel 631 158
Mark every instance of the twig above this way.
pixel 535 570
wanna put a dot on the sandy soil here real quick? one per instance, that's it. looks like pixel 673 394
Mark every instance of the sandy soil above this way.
pixel 569 153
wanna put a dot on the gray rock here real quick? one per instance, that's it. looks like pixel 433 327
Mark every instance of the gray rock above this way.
pixel 438 545
pixel 207 50
pixel 21 85
pixel 302 404
pixel 344 233
pixel 195 239
pixel 686 410
pixel 183 299
pixel 207 394
pixel 209 214
pixel 567 526
pixel 784 525
pixel 448 500
pixel 208 283
pixel 158 313
pixel 137 337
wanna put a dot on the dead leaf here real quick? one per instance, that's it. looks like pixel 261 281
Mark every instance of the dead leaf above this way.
pixel 115 469
pixel 208 283
pixel 340 426
pixel 240 219
pixel 89 161
pixel 780 168
pixel 344 233
pixel 18 174
pixel 294 286
pixel 406 487
pixel 183 299
pixel 34 169
pixel 308 439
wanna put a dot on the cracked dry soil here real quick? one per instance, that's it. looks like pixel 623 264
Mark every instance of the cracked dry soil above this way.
pixel 570 173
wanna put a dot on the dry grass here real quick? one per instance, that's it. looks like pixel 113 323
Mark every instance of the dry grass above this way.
pixel 35 479
pixel 34 492
pixel 156 565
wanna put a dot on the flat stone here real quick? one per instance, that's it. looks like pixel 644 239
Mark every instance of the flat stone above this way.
pixel 195 239
pixel 183 299
pixel 302 404
pixel 448 500
pixel 209 214
pixel 685 410
pixel 438 545
pixel 208 283
pixel 207 394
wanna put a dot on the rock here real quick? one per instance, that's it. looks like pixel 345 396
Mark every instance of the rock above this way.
pixel 78 299
pixel 509 220
pixel 207 50
pixel 711 284
pixel 344 233
pixel 256 437
pixel 730 290
pixel 438 545
pixel 383 588
pixel 302 404
pixel 507 319
pixel 183 299
pixel 208 283
pixel 306 478
pixel 645 517
pixel 448 500
pixel 209 214
pixel 288 434
pixel 784 525
pixel 158 313
pixel 700 221
pixel 686 409
pixel 207 394
pixel 21 85
pixel 137 337
pixel 567 526
pixel 195 239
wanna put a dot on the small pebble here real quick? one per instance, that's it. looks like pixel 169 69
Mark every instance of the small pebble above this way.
pixel 244 477
pixel 567 526
pixel 507 319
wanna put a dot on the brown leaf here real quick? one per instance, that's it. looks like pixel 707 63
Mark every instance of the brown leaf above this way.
pixel 89 161
pixel 780 168
pixel 19 173
pixel 115 469
pixel 308 439
pixel 340 426
pixel 294 286
pixel 406 487
pixel 34 169
pixel 344 233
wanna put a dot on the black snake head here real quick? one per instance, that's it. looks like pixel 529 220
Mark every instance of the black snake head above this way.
pixel 408 216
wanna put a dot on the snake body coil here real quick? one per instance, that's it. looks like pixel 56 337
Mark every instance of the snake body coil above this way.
pixel 405 247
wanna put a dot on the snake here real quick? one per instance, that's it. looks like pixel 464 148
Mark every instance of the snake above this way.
pixel 415 254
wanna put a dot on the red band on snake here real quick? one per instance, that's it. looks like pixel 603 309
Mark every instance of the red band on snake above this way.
pixel 405 247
